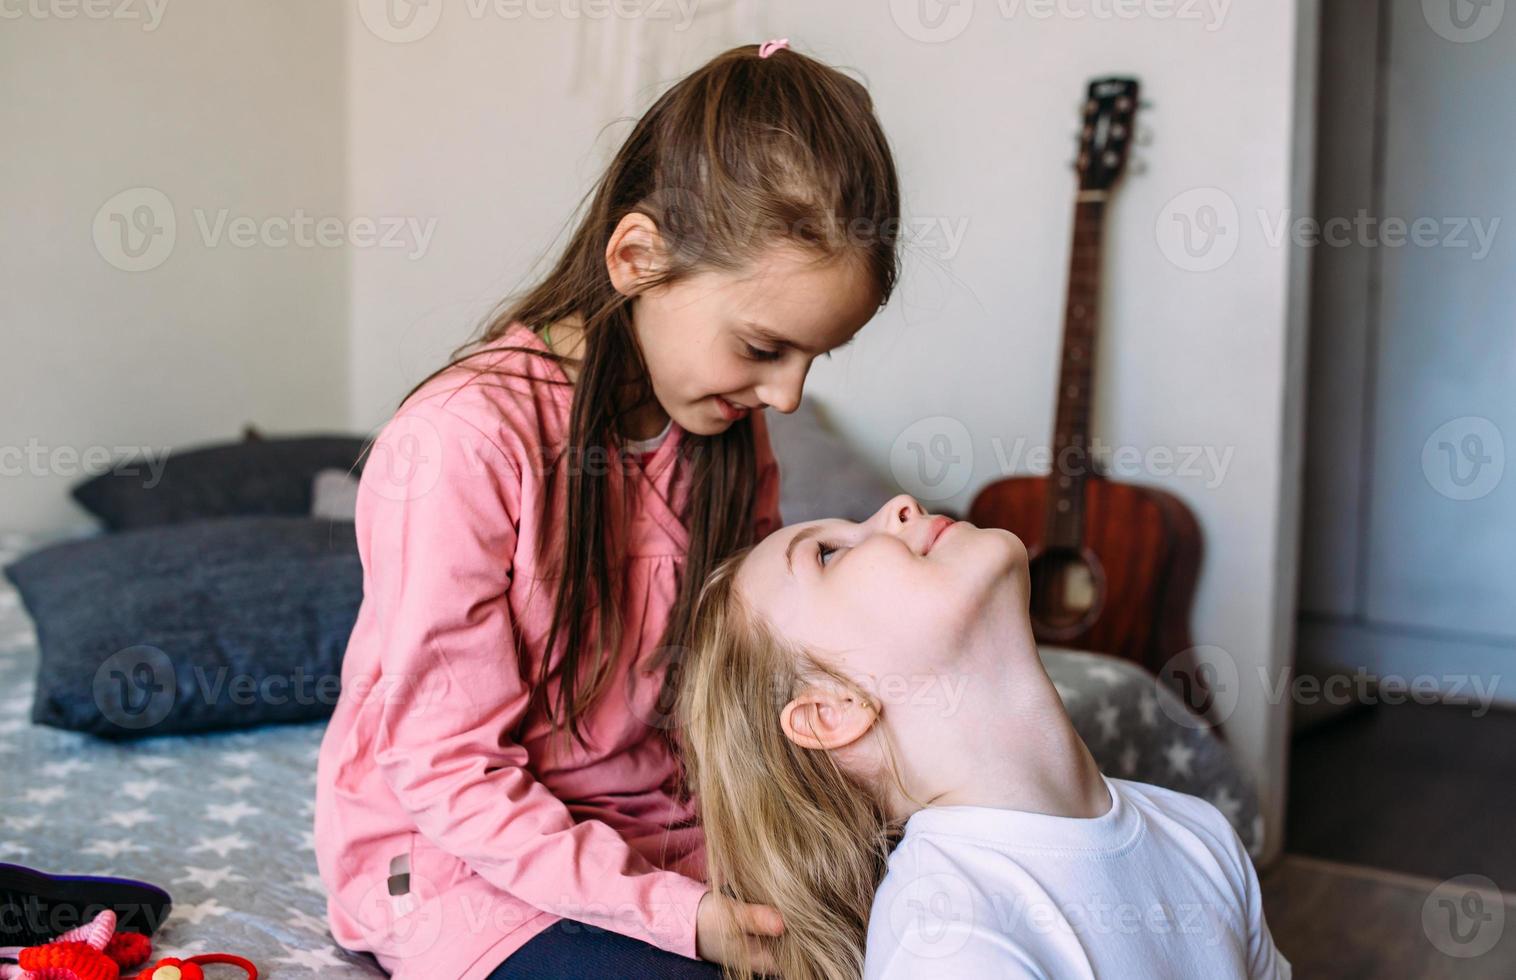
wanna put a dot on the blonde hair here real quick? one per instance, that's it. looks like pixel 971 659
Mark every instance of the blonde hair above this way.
pixel 784 825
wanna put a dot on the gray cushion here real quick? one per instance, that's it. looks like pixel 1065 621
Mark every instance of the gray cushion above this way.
pixel 819 474
pixel 217 623
pixel 256 476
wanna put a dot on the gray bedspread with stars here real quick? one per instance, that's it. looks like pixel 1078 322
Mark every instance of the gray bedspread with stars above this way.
pixel 223 821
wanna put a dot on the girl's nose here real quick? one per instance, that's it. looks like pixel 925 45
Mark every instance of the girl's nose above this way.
pixel 783 392
pixel 899 511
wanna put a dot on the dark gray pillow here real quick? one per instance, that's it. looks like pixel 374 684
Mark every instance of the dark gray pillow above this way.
pixel 257 476
pixel 220 623
pixel 820 475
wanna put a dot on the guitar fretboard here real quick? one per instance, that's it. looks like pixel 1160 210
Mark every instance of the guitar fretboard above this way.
pixel 1076 376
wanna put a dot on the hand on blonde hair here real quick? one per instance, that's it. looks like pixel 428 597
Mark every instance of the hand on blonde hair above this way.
pixel 736 933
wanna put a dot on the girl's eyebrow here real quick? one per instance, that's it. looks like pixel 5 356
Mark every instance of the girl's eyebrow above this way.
pixel 789 551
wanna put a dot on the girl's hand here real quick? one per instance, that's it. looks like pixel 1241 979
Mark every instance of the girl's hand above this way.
pixel 724 926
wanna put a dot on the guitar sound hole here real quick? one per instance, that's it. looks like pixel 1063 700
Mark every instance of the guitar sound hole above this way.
pixel 1065 592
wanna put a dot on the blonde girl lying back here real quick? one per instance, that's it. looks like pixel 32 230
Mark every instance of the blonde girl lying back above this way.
pixel 877 751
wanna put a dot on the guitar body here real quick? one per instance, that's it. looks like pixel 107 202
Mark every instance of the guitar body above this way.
pixel 1127 590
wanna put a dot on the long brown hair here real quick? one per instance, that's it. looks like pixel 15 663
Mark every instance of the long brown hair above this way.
pixel 743 154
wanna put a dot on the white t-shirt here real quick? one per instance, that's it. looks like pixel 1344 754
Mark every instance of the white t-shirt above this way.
pixel 1158 886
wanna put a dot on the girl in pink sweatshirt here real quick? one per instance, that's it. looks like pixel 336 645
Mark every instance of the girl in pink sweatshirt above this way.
pixel 497 793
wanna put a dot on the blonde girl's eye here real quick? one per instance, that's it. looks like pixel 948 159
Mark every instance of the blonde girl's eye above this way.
pixel 758 354
pixel 825 550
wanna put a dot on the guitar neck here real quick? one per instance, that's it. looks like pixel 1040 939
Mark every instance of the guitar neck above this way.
pixel 1076 375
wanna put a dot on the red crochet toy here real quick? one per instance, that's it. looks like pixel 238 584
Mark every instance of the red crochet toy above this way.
pixel 95 951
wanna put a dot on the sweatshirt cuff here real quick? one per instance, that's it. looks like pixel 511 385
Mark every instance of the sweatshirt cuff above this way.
pixel 677 934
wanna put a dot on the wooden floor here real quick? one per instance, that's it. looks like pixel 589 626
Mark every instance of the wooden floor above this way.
pixel 1389 809
pixel 1425 789
pixel 1345 922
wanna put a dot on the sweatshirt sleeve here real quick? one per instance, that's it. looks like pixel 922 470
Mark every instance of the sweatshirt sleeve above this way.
pixel 1265 962
pixel 438 508
pixel 766 511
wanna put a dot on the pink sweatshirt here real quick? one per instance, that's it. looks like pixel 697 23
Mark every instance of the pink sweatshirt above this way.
pixel 449 828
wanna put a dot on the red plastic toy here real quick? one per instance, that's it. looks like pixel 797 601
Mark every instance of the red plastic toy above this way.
pixel 95 951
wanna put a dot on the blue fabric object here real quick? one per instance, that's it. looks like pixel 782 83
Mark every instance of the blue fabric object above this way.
pixel 220 623
pixel 570 950
pixel 258 476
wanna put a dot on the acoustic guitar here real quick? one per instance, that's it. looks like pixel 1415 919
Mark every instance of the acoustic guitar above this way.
pixel 1113 565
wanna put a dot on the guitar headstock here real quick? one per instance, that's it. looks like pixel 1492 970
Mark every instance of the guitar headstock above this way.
pixel 1110 112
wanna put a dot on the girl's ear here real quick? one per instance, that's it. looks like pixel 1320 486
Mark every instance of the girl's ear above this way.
pixel 634 252
pixel 827 718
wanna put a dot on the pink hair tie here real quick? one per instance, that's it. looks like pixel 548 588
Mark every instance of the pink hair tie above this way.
pixel 769 47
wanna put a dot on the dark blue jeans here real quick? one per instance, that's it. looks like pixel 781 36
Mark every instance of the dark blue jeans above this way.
pixel 569 950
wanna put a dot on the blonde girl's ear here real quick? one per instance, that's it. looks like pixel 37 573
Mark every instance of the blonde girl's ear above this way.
pixel 634 253
pixel 827 717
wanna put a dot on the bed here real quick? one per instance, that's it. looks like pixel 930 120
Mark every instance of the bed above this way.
pixel 223 820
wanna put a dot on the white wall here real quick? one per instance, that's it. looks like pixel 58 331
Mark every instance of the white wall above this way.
pixel 475 140
pixel 236 105
pixel 455 126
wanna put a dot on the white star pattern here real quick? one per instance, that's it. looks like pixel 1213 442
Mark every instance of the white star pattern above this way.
pixel 1147 707
pixel 1226 803
pixel 195 912
pixel 242 760
pixel 44 795
pixel 312 959
pixel 141 789
pixel 230 812
pixel 223 845
pixel 23 823
pixel 1106 715
pixel 235 784
pixel 209 877
pixel 1179 755
pixel 62 768
pixel 1068 694
pixel 112 848
pixel 128 818
pixel 1129 759
pixel 1105 672
pixel 309 923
